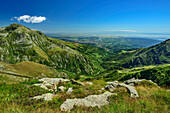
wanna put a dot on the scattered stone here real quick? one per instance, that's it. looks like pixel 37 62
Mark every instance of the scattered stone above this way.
pixel 46 97
pixel 69 91
pixel 89 83
pixel 49 86
pixel 110 87
pixel 2 67
pixel 53 80
pixel 89 101
pixel 62 88
pixel 114 83
pixel 131 84
pixel 133 80
pixel 41 85
pixel 102 89
pixel 50 83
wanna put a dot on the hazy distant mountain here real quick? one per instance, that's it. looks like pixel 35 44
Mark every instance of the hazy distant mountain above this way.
pixel 113 44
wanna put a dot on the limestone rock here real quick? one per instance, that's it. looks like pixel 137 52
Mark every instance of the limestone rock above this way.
pixel 50 83
pixel 69 91
pixel 112 85
pixel 53 80
pixel 47 86
pixel 102 89
pixel 46 97
pixel 132 81
pixel 132 90
pixel 131 84
pixel 89 101
pixel 62 88
pixel 41 85
pixel 89 83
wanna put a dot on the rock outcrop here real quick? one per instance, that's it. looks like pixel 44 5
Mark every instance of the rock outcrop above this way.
pixel 46 97
pixel 50 83
pixel 89 83
pixel 112 85
pixel 131 89
pixel 89 101
pixel 134 81
pixel 69 91
pixel 53 80
pixel 62 88
pixel 129 84
pixel 41 85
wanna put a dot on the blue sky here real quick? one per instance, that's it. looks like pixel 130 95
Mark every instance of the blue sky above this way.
pixel 89 15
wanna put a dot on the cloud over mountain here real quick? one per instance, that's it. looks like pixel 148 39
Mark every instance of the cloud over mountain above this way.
pixel 30 19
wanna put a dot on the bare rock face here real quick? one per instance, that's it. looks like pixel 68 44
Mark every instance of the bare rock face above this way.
pixel 89 101
pixel 112 85
pixel 46 97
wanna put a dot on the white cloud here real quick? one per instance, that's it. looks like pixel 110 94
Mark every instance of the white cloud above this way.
pixel 30 19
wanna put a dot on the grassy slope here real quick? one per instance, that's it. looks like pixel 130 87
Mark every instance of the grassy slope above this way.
pixel 23 44
pixel 158 54
pixel 15 98
pixel 26 69
pixel 158 74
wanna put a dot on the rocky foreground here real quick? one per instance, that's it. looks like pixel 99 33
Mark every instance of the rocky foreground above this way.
pixel 89 101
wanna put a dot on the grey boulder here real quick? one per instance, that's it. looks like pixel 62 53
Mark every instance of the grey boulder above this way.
pixel 46 97
pixel 89 101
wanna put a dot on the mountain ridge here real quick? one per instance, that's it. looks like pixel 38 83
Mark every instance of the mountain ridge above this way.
pixel 154 55
pixel 23 44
